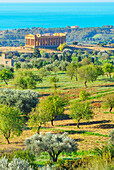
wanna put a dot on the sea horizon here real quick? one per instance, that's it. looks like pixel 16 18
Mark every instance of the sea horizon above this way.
pixel 56 14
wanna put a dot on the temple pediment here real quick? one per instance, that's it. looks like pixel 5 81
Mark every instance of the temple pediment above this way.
pixel 30 36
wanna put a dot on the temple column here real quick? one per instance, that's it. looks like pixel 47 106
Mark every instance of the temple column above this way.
pixel 56 41
pixel 48 41
pixel 26 41
pixel 42 42
pixel 53 41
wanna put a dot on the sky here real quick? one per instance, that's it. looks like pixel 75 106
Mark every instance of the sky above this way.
pixel 33 1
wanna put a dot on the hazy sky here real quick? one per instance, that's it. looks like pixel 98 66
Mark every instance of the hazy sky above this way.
pixel 3 1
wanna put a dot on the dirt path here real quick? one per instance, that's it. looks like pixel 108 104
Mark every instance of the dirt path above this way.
pixel 26 50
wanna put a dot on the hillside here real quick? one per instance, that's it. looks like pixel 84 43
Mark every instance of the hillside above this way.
pixel 88 35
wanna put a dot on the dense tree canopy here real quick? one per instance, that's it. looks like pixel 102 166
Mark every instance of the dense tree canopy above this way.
pixel 38 62
pixel 23 100
pixel 36 53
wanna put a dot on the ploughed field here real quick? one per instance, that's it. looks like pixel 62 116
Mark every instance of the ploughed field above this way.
pixel 91 134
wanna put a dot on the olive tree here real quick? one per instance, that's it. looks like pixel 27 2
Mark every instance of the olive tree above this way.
pixel 38 62
pixel 11 121
pixel 109 101
pixel 17 65
pixel 42 72
pixel 54 144
pixel 23 100
pixel 83 95
pixel 108 68
pixel 38 117
pixel 25 65
pixel 53 106
pixel 87 73
pixel 54 80
pixel 70 70
pixel 80 111
pixel 36 53
pixel 26 79
pixel 63 65
pixel 6 74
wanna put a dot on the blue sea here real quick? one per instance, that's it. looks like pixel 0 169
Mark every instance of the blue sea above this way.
pixel 51 15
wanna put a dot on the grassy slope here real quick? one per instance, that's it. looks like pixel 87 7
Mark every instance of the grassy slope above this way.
pixel 90 134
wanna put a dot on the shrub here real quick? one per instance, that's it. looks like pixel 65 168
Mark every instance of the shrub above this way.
pixel 104 150
pixel 3 164
pixel 87 162
pixel 111 135
pixel 15 164
pixel 22 154
pixel 73 164
pixel 83 95
pixel 62 46
pixel 107 149
pixel 100 163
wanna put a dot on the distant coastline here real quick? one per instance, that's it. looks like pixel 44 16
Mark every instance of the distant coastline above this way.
pixel 53 15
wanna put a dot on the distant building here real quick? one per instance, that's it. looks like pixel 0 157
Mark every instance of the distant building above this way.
pixel 5 61
pixel 67 26
pixel 45 40
pixel 75 26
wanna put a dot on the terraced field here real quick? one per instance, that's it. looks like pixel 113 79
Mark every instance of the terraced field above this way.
pixel 91 134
